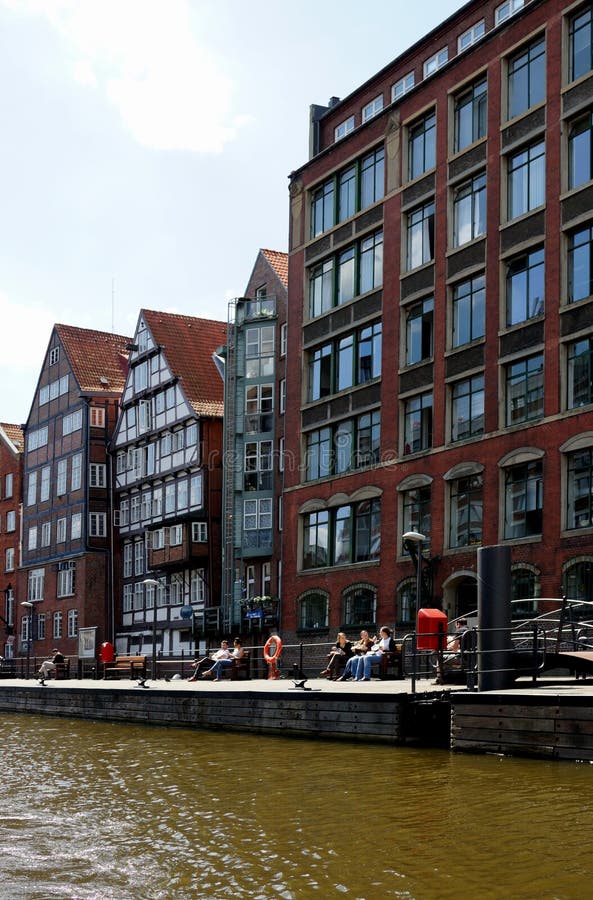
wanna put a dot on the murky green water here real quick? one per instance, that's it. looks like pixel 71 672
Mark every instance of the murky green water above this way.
pixel 121 811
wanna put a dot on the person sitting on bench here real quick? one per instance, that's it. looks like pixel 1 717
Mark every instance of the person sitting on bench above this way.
pixel 50 665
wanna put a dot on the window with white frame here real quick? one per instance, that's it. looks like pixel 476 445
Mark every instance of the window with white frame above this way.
pixel 32 489
pixel 11 520
pixel 435 62
pixel 61 530
pixel 57 625
pixel 76 526
pixel 98 475
pixel 45 483
pixel 97 415
pixel 344 128
pixel 124 512
pixel 140 373
pixel 250 581
pixel 158 539
pixel 72 623
pixel 135 507
pixel 8 483
pixel 37 438
pixel 199 532
pixel 402 86
pixel 36 581
pixel 66 578
pixel 128 595
pixel 128 557
pixel 76 472
pixel 9 560
pixel 195 491
pixel 32 541
pixel 62 477
pixel 198 588
pixel 176 535
pixel 97 524
pixel 283 338
pixel 176 589
pixel 138 557
pixel 371 109
pixel 46 534
pixel 72 422
pixel 283 396
pixel 266 578
pixel 506 10
pixel 138 596
pixel 470 36
pixel 54 356
pixel 149 595
pixel 257 514
pixel 144 416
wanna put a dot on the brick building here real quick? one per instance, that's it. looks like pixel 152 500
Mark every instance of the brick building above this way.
pixel 65 574
pixel 168 481
pixel 440 364
pixel 11 461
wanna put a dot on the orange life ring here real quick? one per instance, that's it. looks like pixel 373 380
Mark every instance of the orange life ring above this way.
pixel 274 639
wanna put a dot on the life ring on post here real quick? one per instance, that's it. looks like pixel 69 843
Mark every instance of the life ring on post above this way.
pixel 272 658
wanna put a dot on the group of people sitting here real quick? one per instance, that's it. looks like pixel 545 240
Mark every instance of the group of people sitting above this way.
pixel 354 662
pixel 214 665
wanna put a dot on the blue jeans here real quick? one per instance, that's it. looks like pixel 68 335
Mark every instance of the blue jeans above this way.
pixel 370 660
pixel 218 666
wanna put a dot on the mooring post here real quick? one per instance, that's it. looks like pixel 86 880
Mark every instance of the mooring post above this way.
pixel 494 618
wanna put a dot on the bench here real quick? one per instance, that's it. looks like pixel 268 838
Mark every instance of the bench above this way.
pixel 126 667
pixel 391 662
pixel 241 667
pixel 61 671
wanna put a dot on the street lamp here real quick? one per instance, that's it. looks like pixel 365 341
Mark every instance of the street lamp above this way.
pixel 29 606
pixel 414 544
pixel 152 582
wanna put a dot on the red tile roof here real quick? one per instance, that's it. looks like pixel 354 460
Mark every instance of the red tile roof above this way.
pixel 96 355
pixel 188 344
pixel 279 262
pixel 14 433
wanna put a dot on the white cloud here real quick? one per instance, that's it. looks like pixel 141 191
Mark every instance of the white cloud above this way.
pixel 171 92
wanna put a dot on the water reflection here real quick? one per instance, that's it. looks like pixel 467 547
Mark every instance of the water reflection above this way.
pixel 94 810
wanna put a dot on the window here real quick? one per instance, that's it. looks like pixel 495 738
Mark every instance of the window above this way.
pixel 470 36
pixel 580 489
pixel 347 193
pixel 11 520
pixel 360 605
pixel 372 177
pixel 72 623
pixel 259 404
pixel 580 151
pixel 580 264
pixel 76 472
pixel 8 483
pixel 97 524
pixel 523 498
pixel 525 287
pixel 523 585
pixel 282 396
pixel 9 560
pixel 507 9
pixel 466 511
pixel 72 422
pixel 97 415
pixel 176 535
pixel 37 438
pixel 421 146
pixel 57 624
pixel 66 579
pixel 351 360
pixel 199 532
pixel 469 301
pixel 128 559
pixel 416 511
pixel 469 210
pixel 344 128
pixel 357 269
pixel 144 415
pixel 435 62
pixel 372 108
pixel 44 486
pixel 419 331
pixel 32 541
pixel 342 535
pixel 580 43
pixel 526 78
pixel 526 180
pixel 54 356
pixel 195 490
pixel 32 489
pixel 418 423
pixel 402 86
pixel 259 351
pixel 197 588
pixel 40 626
pixel 467 408
pixel 36 580
pixel 76 526
pixel 257 466
pixel 420 236
pixel 322 208
pixel 470 115
pixel 97 475
pixel 257 514
pixel 319 460
pixel 313 611
pixel 525 390
pixel 46 534
pixel 61 530
pixel 348 445
pixel 580 373
pixel 354 188
pixel 283 339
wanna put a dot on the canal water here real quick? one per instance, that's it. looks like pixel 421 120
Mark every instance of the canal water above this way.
pixel 127 812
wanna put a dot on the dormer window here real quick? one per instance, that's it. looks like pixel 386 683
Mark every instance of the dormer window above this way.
pixel 344 128
pixel 436 62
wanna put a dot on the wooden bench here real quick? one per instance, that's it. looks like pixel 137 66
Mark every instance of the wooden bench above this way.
pixel 391 663
pixel 126 667
pixel 241 667
pixel 61 671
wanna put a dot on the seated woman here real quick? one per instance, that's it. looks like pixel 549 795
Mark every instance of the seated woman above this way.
pixel 225 661
pixel 338 657
pixel 360 647
pixel 363 668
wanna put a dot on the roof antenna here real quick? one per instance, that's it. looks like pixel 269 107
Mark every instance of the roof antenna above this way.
pixel 112 305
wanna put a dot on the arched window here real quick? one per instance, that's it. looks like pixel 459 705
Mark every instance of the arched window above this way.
pixel 360 605
pixel 524 587
pixel 312 609
pixel 406 602
pixel 577 580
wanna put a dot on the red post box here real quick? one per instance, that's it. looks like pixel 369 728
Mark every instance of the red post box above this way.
pixel 106 653
pixel 431 630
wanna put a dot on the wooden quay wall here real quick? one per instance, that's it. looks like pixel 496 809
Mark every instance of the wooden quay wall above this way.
pixel 355 716
pixel 545 725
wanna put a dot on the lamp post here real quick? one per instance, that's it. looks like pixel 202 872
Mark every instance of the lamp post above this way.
pixel 29 606
pixel 152 582
pixel 414 543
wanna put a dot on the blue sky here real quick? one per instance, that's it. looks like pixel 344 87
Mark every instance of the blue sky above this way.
pixel 146 146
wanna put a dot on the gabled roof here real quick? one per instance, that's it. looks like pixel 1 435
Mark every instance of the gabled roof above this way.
pixel 279 262
pixel 14 433
pixel 99 360
pixel 188 344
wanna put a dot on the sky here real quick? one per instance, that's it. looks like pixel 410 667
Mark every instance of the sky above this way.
pixel 146 146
